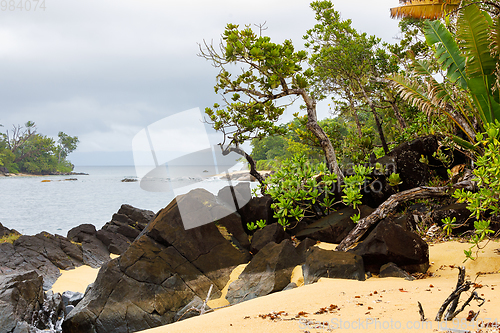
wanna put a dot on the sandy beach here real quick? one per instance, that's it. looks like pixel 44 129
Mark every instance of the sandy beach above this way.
pixel 374 305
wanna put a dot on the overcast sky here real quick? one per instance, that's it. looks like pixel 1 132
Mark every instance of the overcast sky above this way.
pixel 103 70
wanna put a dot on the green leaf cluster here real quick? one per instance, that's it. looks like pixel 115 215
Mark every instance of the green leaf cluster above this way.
pixel 303 189
pixel 486 201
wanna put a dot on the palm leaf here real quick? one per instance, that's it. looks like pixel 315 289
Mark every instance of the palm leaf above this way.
pixel 495 52
pixel 412 93
pixel 436 91
pixel 447 52
pixel 428 9
pixel 495 38
pixel 474 30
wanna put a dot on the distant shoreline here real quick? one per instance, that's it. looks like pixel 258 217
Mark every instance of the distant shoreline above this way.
pixel 21 174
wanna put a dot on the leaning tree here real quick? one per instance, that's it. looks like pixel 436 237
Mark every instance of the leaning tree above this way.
pixel 270 78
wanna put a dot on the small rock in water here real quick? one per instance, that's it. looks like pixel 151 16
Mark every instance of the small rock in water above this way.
pixel 129 180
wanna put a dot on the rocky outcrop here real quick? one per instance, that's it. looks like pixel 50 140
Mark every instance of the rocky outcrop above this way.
pixel 270 233
pixel 21 295
pixel 258 208
pixel 334 227
pixel 44 253
pixel 124 227
pixel 4 231
pixel 332 264
pixel 269 271
pixel 129 221
pixel 24 307
pixel 389 242
pixel 95 253
pixel 405 160
pixel 160 273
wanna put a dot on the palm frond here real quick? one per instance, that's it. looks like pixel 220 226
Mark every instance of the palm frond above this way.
pixel 447 52
pixel 437 92
pixel 425 9
pixel 412 93
pixel 474 31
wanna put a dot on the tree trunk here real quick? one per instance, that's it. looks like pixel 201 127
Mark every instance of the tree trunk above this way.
pixel 356 118
pixel 326 144
pixel 390 204
pixel 377 120
pixel 399 117
pixel 250 160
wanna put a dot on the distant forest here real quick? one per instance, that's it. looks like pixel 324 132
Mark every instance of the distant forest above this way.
pixel 24 150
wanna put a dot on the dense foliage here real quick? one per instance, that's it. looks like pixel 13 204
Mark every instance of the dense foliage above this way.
pixel 22 149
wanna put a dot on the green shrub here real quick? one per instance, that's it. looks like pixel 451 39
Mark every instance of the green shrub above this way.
pixel 484 202
pixel 302 189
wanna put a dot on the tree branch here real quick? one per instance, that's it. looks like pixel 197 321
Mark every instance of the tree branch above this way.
pixel 394 200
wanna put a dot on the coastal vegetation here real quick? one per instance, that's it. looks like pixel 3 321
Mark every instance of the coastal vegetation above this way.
pixel 24 150
pixel 441 78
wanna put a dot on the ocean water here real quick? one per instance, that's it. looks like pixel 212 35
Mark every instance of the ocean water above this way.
pixel 30 205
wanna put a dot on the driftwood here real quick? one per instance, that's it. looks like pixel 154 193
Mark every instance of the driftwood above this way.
pixel 394 200
pixel 452 301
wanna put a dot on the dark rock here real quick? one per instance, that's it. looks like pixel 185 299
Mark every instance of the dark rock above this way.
pixel 332 264
pixel 303 246
pixel 334 227
pixel 44 253
pixel 392 270
pixel 115 243
pixel 389 242
pixel 68 309
pixel 71 297
pixel 256 209
pixel 270 233
pixel 51 315
pixel 129 222
pixel 4 231
pixel 160 273
pixel 79 233
pixel 270 270
pixel 404 160
pixel 458 211
pixel 235 197
pixel 21 296
pixel 95 253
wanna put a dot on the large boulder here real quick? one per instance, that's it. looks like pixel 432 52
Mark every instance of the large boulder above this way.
pixel 334 227
pixel 270 270
pixel 161 272
pixel 389 242
pixel 128 222
pixel 405 160
pixel 258 208
pixel 95 252
pixel 270 233
pixel 332 264
pixel 21 296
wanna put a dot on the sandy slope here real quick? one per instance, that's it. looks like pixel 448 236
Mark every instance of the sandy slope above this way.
pixel 374 305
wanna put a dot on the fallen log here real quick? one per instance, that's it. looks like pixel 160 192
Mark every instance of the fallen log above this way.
pixel 422 192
